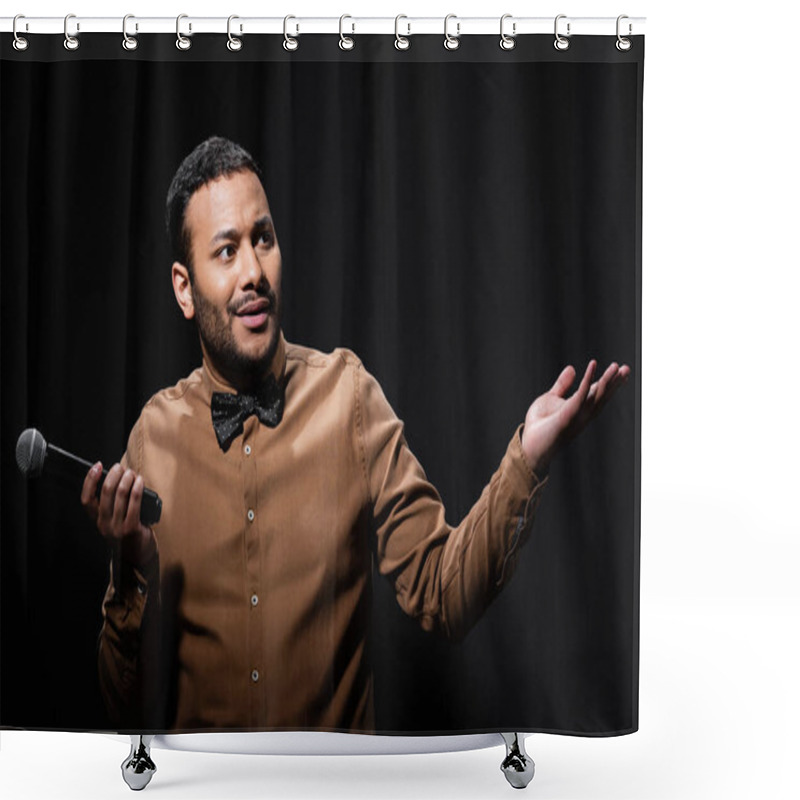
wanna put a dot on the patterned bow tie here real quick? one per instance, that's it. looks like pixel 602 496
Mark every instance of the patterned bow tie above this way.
pixel 229 411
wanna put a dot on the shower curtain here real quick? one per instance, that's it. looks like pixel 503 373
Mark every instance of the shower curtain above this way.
pixel 467 222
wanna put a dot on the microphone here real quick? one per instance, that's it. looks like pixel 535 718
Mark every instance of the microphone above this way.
pixel 35 456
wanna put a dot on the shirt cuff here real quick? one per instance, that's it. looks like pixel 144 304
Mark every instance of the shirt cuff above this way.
pixel 524 489
pixel 135 581
pixel 524 479
pixel 146 575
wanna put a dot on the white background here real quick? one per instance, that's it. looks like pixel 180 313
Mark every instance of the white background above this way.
pixel 719 698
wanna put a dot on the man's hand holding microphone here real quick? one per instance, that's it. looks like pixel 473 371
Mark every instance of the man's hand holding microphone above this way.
pixel 116 510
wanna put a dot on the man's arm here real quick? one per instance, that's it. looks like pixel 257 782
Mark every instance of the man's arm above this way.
pixel 130 605
pixel 446 577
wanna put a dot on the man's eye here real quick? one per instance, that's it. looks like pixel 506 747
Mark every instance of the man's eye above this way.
pixel 226 252
pixel 265 237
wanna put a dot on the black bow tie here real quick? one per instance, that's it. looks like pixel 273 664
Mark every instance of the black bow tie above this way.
pixel 229 411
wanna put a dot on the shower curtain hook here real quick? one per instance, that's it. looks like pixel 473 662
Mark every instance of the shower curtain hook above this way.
pixel 289 43
pixel 234 44
pixel 71 42
pixel 346 42
pixel 20 42
pixel 508 42
pixel 561 42
pixel 623 44
pixel 452 42
pixel 182 42
pixel 129 42
pixel 401 42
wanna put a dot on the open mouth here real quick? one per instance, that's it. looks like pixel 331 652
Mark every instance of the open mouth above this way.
pixel 254 315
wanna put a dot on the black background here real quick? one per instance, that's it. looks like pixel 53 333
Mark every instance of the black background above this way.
pixel 468 223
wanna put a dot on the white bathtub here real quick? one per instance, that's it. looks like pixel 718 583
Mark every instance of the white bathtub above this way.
pixel 138 768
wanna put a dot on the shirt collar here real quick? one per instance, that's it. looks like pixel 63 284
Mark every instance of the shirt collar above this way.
pixel 214 382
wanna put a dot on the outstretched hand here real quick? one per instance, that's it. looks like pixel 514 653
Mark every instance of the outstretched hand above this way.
pixel 553 419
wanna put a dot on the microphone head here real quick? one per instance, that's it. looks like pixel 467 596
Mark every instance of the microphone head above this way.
pixel 31 451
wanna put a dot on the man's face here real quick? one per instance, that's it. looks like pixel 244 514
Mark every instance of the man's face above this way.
pixel 235 276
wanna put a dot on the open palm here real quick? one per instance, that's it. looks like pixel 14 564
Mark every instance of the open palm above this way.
pixel 553 418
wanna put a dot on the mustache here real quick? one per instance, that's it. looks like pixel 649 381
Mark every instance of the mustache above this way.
pixel 262 292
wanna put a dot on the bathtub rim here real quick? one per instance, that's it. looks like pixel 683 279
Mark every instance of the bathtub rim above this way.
pixel 318 743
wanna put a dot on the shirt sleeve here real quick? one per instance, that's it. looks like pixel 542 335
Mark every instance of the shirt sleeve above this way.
pixel 129 611
pixel 444 577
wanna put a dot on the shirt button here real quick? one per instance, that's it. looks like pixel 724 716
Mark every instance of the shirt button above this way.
pixel 254 675
pixel 251 515
pixel 247 449
pixel 254 600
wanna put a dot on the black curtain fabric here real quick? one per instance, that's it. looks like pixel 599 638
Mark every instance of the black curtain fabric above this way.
pixel 467 222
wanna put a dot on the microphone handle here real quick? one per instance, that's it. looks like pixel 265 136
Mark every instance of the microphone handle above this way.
pixel 68 467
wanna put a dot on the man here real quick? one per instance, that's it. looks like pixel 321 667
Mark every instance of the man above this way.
pixel 284 471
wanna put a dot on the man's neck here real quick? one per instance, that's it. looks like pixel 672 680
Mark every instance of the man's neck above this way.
pixel 247 381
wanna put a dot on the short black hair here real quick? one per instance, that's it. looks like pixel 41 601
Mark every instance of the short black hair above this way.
pixel 214 158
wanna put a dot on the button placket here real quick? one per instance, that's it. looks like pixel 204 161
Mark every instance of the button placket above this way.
pixel 252 486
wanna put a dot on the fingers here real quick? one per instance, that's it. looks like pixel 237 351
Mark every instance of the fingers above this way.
pixel 89 490
pixel 564 381
pixel 108 496
pixel 120 503
pixel 582 392
pixel 599 388
pixel 122 499
pixel 572 411
pixel 131 521
pixel 603 390
pixel 620 379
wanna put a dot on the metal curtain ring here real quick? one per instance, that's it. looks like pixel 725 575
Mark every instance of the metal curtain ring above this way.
pixel 346 42
pixel 401 42
pixel 20 42
pixel 561 42
pixel 451 42
pixel 508 42
pixel 129 42
pixel 182 42
pixel 234 44
pixel 289 43
pixel 70 42
pixel 622 43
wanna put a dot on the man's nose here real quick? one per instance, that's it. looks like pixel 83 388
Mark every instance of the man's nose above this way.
pixel 251 273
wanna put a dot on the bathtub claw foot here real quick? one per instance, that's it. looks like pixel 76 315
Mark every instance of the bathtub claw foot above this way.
pixel 138 768
pixel 517 766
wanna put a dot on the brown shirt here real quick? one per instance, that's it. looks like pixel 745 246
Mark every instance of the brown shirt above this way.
pixel 254 614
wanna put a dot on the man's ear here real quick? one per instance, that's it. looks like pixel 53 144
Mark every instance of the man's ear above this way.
pixel 182 287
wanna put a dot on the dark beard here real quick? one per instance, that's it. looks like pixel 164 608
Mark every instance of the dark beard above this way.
pixel 217 338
